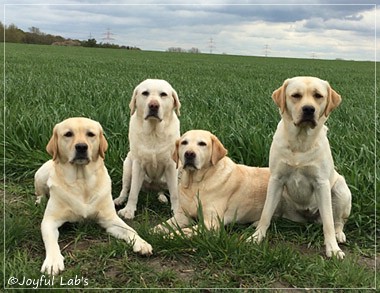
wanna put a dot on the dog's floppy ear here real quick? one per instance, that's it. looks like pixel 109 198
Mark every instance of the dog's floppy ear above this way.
pixel 279 96
pixel 175 155
pixel 218 150
pixel 132 104
pixel 52 146
pixel 177 104
pixel 103 144
pixel 333 101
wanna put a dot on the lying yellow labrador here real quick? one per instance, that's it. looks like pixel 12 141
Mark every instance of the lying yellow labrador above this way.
pixel 153 130
pixel 79 187
pixel 300 162
pixel 227 191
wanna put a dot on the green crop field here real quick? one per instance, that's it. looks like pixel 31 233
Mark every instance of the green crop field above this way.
pixel 228 95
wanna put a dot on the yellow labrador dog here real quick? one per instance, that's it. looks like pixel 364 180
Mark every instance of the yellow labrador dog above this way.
pixel 79 187
pixel 153 130
pixel 227 191
pixel 300 161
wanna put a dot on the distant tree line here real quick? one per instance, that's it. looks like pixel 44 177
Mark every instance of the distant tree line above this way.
pixel 93 43
pixel 15 35
pixel 181 50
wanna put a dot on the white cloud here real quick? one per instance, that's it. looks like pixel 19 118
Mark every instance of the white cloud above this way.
pixel 329 31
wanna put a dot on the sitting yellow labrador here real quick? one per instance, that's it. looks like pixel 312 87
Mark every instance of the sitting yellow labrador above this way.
pixel 227 191
pixel 153 130
pixel 79 187
pixel 300 162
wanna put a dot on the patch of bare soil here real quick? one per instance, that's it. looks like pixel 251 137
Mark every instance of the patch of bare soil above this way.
pixel 369 262
pixel 183 269
pixel 279 286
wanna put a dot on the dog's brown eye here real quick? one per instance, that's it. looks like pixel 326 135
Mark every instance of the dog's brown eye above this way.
pixel 318 96
pixel 202 143
pixel 184 142
pixel 297 96
pixel 163 95
pixel 68 134
pixel 145 93
pixel 90 134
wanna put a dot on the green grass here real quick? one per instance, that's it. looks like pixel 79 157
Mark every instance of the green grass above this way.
pixel 228 95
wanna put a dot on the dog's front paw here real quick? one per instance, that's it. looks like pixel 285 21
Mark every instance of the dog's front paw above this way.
pixel 340 237
pixel 162 198
pixel 127 213
pixel 38 200
pixel 189 232
pixel 142 247
pixel 338 253
pixel 118 201
pixel 53 265
pixel 160 229
pixel 257 237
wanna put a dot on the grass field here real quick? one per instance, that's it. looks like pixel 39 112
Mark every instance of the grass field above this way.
pixel 231 97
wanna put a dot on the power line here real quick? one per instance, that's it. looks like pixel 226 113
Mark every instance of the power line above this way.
pixel 211 45
pixel 108 36
pixel 266 50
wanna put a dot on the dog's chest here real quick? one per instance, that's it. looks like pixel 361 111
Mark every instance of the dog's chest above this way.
pixel 301 194
pixel 299 184
pixel 84 210
pixel 87 202
pixel 154 154
pixel 81 198
pixel 159 144
pixel 154 166
pixel 204 189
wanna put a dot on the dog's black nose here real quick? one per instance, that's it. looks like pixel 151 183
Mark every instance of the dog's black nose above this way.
pixel 190 155
pixel 308 110
pixel 81 147
pixel 154 106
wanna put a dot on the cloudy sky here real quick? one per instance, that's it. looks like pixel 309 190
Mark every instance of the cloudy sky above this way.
pixel 325 29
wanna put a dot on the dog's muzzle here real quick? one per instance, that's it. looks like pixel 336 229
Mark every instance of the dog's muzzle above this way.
pixel 81 154
pixel 308 117
pixel 189 157
pixel 153 107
